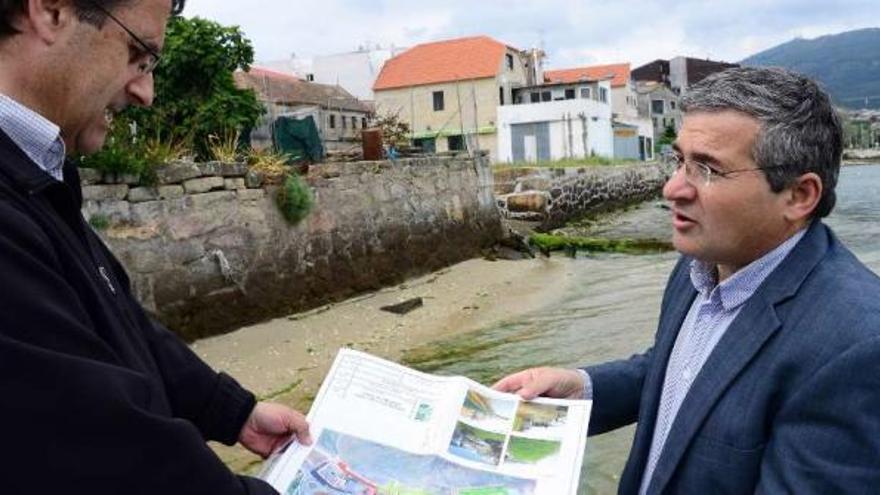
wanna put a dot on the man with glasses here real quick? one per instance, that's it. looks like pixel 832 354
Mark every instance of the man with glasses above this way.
pixel 763 375
pixel 98 398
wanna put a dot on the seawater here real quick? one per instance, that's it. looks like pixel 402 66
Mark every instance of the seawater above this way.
pixel 611 313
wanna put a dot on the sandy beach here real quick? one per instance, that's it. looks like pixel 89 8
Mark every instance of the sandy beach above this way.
pixel 284 360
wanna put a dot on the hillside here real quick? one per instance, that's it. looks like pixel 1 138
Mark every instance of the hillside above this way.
pixel 847 64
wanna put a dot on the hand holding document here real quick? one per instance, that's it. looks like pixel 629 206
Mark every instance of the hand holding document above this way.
pixel 381 428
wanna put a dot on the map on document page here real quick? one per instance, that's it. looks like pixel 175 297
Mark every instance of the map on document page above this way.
pixel 384 429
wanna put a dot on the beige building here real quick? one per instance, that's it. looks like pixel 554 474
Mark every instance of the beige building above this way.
pixel 449 91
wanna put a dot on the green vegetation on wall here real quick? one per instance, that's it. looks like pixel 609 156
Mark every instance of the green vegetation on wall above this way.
pixel 195 99
pixel 294 199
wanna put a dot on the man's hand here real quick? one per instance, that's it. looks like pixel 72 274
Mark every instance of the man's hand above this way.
pixel 548 382
pixel 270 426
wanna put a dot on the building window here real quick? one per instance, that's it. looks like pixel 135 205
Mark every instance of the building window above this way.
pixel 332 121
pixel 569 94
pixel 672 105
pixel 344 124
pixel 585 93
pixel 535 97
pixel 354 122
pixel 456 143
pixel 509 58
pixel 657 107
pixel 546 96
pixel 438 101
pixel 603 95
pixel 364 122
pixel 501 95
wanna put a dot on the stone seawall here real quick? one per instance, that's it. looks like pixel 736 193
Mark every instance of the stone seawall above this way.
pixel 208 251
pixel 553 197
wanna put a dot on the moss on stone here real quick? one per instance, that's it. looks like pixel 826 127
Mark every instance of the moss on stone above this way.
pixel 550 242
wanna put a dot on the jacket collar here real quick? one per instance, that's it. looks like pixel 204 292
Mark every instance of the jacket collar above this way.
pixel 748 333
pixel 28 177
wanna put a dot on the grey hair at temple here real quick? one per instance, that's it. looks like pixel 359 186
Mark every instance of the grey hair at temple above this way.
pixel 800 130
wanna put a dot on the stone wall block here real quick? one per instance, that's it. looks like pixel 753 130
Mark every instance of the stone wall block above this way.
pixel 105 192
pixel 233 169
pixel 141 194
pixel 203 184
pixel 170 192
pixel 250 194
pixel 208 169
pixel 253 179
pixel 89 176
pixel 177 172
pixel 234 184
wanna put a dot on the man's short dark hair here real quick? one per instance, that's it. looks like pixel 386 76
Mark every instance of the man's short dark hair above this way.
pixel 800 130
pixel 87 10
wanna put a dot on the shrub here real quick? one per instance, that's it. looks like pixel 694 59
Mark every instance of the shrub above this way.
pixel 294 199
pixel 271 164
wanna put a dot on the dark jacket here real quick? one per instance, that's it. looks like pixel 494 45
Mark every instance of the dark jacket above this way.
pixel 787 402
pixel 97 397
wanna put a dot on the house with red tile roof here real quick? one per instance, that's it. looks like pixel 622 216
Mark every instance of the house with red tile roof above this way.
pixel 338 115
pixel 634 133
pixel 449 91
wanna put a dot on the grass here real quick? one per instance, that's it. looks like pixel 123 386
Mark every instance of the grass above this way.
pixel 99 222
pixel 531 450
pixel 550 242
pixel 224 147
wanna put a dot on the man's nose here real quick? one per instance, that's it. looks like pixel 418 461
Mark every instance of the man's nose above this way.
pixel 141 91
pixel 677 187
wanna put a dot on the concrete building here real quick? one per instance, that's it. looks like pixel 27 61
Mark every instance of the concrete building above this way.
pixel 661 104
pixel 679 73
pixel 555 122
pixel 339 116
pixel 355 71
pixel 449 91
pixel 624 106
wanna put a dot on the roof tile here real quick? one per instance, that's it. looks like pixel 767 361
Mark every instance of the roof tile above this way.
pixel 459 59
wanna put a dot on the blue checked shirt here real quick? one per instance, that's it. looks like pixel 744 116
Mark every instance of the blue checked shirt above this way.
pixel 39 138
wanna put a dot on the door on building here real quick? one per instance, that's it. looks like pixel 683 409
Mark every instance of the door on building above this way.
pixel 530 142
pixel 427 145
pixel 456 143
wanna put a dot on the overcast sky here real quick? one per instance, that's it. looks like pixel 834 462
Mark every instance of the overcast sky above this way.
pixel 572 32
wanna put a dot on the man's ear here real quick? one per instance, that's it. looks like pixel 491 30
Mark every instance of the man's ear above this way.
pixel 802 197
pixel 48 18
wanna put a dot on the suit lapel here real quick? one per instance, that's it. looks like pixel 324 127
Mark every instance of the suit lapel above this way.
pixel 681 294
pixel 747 334
pixel 742 341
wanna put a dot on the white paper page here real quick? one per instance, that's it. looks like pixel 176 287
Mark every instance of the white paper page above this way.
pixel 380 427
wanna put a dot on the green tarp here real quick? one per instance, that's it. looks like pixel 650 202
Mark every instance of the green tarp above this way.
pixel 298 138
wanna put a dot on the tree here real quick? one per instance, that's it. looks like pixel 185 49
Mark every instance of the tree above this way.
pixel 195 95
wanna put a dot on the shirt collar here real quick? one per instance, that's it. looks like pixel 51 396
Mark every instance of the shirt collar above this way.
pixel 39 138
pixel 740 286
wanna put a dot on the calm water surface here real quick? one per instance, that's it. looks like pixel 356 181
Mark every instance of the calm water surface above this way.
pixel 611 312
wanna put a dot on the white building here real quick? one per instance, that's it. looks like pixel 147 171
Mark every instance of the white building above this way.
pixel 556 121
pixel 355 71
pixel 624 102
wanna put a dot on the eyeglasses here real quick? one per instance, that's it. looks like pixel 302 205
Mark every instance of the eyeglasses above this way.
pixel 148 58
pixel 698 173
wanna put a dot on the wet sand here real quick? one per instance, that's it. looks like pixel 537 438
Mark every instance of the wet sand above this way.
pixel 284 360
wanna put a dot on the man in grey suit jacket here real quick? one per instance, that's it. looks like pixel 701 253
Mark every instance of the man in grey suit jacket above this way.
pixel 764 372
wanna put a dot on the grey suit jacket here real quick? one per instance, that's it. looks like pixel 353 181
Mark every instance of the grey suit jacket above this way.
pixel 788 401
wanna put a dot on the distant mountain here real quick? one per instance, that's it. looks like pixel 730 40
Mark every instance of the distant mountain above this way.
pixel 847 64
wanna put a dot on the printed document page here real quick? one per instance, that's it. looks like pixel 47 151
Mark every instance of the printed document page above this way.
pixel 384 429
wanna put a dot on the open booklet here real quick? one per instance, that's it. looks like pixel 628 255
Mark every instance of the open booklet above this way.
pixel 384 429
